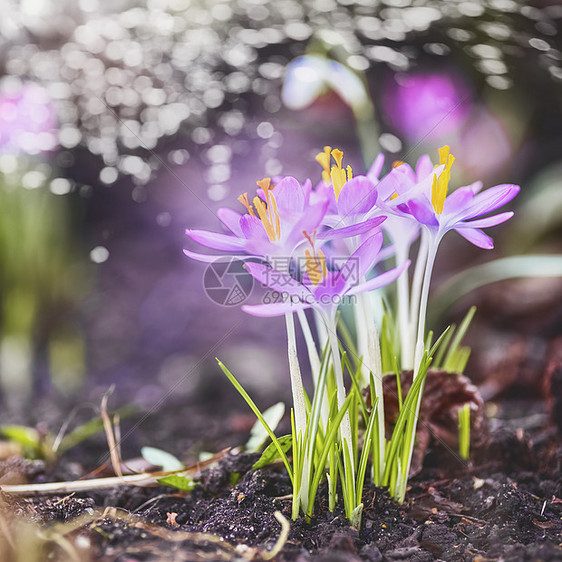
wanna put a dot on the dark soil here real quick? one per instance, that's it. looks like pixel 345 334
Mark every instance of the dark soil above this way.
pixel 504 505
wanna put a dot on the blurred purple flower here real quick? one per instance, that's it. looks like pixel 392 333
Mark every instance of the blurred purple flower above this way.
pixel 27 119
pixel 427 105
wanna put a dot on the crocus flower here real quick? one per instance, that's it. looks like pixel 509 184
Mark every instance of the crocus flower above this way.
pixel 351 200
pixel 433 207
pixel 321 288
pixel 272 227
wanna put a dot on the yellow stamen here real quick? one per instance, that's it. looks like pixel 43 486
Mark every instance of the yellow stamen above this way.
pixel 397 163
pixel 394 196
pixel 338 156
pixel 262 213
pixel 275 216
pixel 244 200
pixel 265 184
pixel 339 175
pixel 316 267
pixel 339 178
pixel 440 185
pixel 323 158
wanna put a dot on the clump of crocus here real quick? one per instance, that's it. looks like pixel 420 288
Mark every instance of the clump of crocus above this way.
pixel 321 248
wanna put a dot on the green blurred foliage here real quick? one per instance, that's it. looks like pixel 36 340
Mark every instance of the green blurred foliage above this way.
pixel 42 280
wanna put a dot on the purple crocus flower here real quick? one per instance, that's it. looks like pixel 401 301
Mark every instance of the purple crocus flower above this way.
pixel 272 227
pixel 429 203
pixel 349 197
pixel 321 288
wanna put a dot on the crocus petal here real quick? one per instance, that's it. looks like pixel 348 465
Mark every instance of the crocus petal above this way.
pixel 215 240
pixel 274 309
pixel 356 197
pixel 310 221
pixel 333 285
pixel 276 280
pixel 488 221
pixel 424 167
pixel 364 257
pixel 289 195
pixel 476 237
pixel 405 170
pixel 252 228
pixel 307 188
pixel 231 219
pixel 424 213
pixel 490 200
pixel 406 193
pixel 208 258
pixel 380 280
pixel 461 198
pixel 391 184
pixel 353 230
pixel 376 168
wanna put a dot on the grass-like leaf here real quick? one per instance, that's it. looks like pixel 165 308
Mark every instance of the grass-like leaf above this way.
pixel 271 454
pixel 259 415
pixel 182 483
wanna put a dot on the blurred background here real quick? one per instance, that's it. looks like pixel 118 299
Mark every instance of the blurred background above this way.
pixel 124 122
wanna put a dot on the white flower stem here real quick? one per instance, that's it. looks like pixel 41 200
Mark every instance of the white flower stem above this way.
pixel 321 330
pixel 361 330
pixel 345 428
pixel 404 310
pixel 421 263
pixel 313 357
pixel 315 365
pixel 420 349
pixel 299 403
pixel 374 365
pixel 424 297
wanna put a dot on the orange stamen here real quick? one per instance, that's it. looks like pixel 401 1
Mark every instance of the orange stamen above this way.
pixel 244 200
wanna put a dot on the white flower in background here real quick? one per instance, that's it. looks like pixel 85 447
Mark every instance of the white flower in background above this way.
pixel 308 76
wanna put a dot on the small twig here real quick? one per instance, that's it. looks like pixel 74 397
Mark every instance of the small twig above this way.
pixel 283 536
pixel 142 479
pixel 282 498
pixel 469 517
pixel 111 442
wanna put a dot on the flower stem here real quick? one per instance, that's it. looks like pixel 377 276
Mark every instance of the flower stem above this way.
pixel 421 263
pixel 345 428
pixel 403 310
pixel 419 353
pixel 420 343
pixel 314 360
pixel 299 403
pixel 374 365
